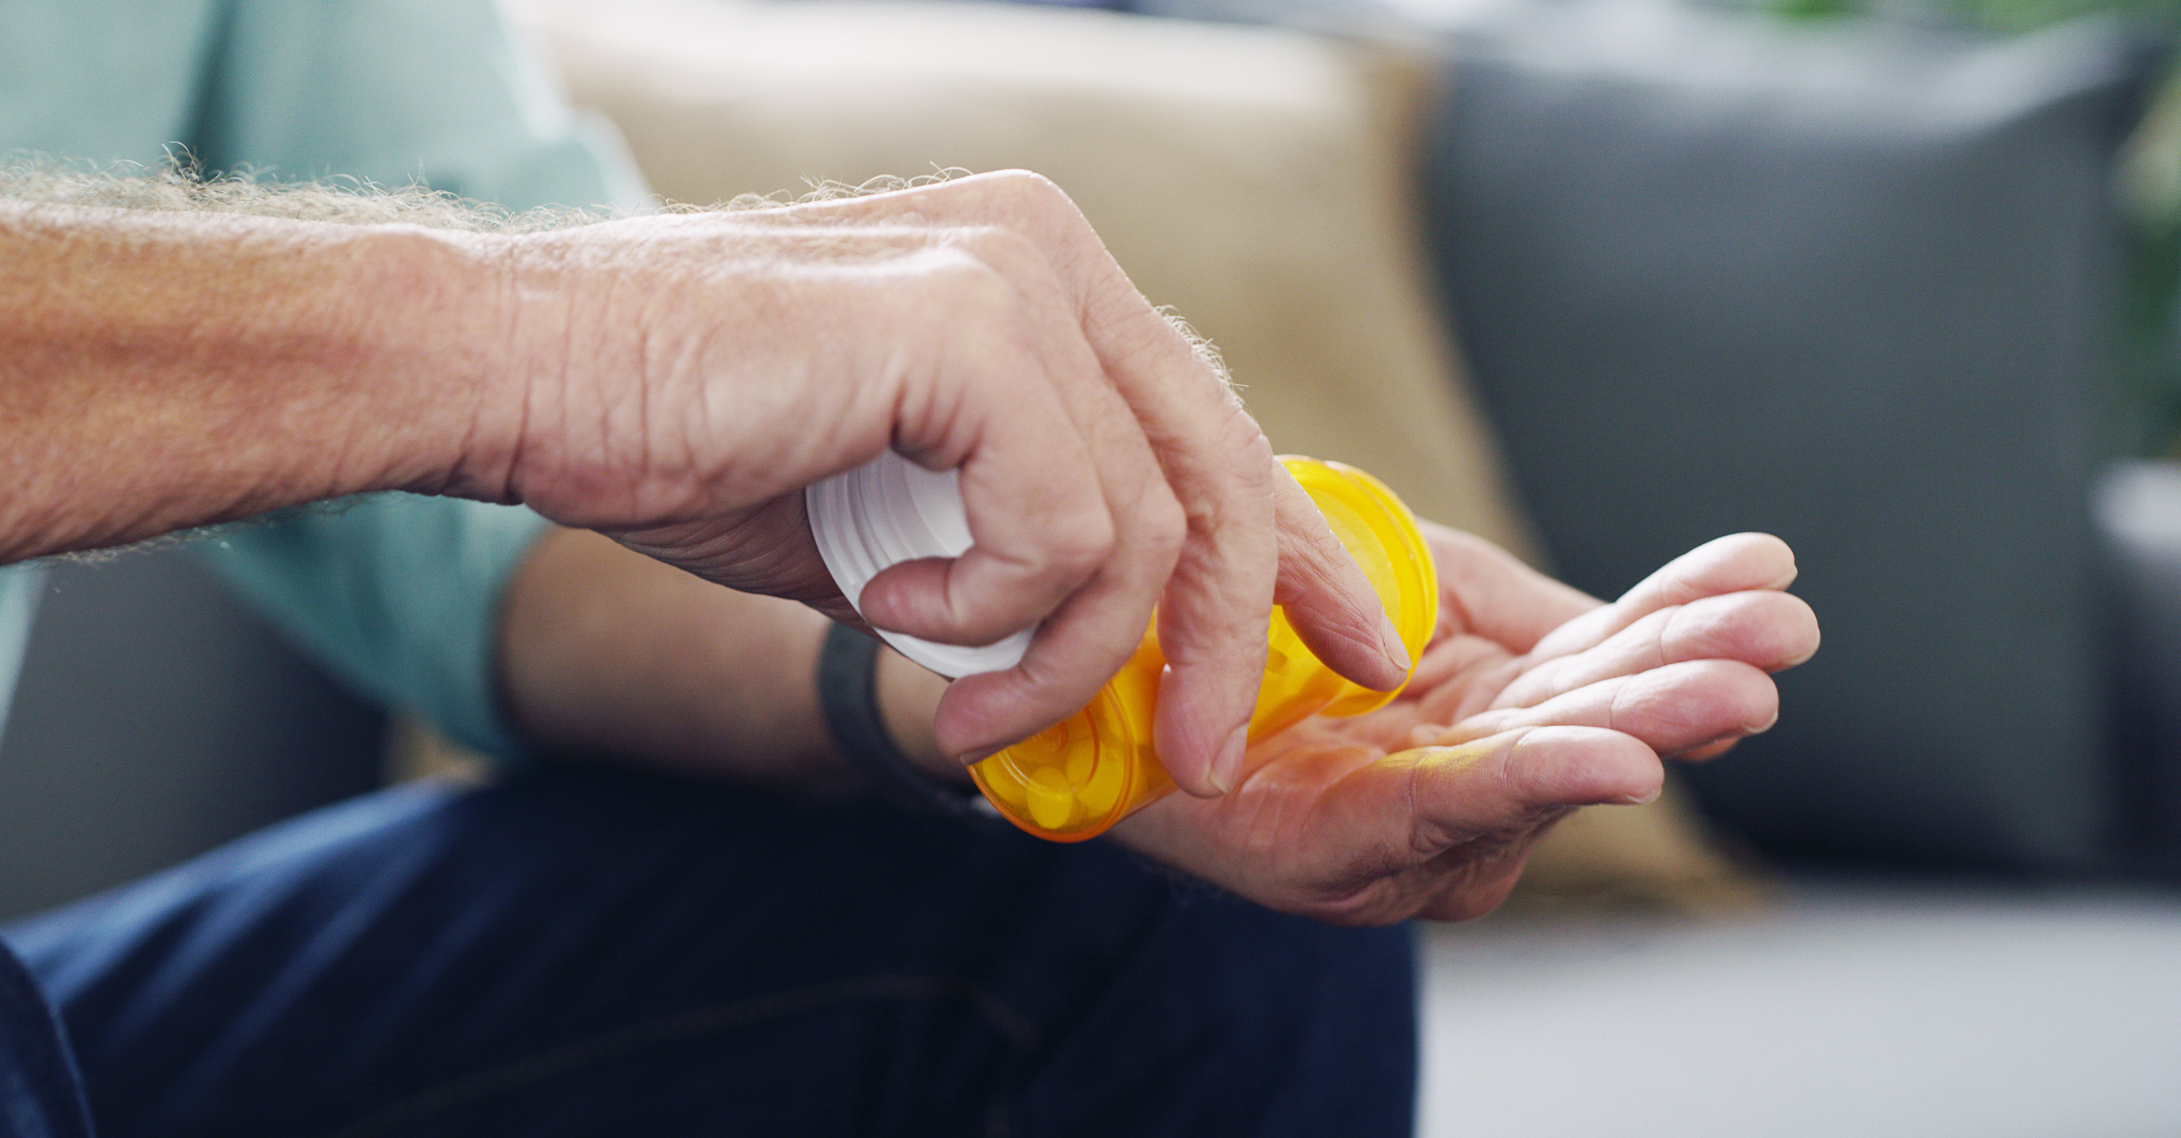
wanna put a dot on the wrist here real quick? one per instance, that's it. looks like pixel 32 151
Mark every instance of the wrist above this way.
pixel 847 685
pixel 908 701
pixel 562 428
pixel 439 337
pixel 509 329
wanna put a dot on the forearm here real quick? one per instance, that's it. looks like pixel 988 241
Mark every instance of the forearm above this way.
pixel 676 381
pixel 608 653
pixel 168 369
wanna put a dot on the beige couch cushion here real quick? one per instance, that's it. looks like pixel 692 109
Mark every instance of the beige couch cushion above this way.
pixel 1248 177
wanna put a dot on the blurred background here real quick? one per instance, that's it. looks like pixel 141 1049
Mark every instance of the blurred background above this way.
pixel 1599 279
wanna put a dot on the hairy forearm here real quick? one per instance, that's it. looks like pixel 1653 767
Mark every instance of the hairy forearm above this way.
pixel 608 653
pixel 167 369
pixel 675 381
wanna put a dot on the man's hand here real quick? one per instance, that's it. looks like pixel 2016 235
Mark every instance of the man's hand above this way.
pixel 688 374
pixel 1532 700
pixel 675 381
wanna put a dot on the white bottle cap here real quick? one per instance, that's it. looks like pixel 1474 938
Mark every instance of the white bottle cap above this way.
pixel 891 510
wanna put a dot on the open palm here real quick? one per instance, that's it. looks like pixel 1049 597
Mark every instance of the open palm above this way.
pixel 1531 700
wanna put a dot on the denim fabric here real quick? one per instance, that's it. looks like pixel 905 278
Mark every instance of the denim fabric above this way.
pixel 599 953
pixel 40 1095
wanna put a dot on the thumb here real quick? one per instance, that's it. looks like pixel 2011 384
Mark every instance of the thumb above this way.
pixel 1432 799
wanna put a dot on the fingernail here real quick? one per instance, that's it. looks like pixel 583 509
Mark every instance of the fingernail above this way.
pixel 1389 639
pixel 1226 769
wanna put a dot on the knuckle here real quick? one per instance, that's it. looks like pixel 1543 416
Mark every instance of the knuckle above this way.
pixel 992 244
pixel 1232 485
pixel 1034 192
pixel 1164 528
pixel 1247 439
pixel 962 280
pixel 1078 547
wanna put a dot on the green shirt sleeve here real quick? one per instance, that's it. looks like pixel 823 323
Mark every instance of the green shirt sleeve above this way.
pixel 398 91
pixel 400 595
pixel 18 603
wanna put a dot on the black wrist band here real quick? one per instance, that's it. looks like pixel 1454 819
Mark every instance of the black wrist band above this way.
pixel 848 699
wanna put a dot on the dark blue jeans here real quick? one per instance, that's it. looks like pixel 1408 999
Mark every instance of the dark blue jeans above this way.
pixel 597 953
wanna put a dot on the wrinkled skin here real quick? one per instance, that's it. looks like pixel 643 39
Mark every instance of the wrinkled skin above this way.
pixel 695 371
pixel 1532 700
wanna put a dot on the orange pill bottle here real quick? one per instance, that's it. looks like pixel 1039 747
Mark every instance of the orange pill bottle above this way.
pixel 1079 777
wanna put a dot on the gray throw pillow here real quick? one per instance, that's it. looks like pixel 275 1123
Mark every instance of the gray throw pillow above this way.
pixel 1850 285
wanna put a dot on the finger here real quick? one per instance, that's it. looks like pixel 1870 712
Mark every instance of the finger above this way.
pixel 1728 564
pixel 1430 800
pixel 1673 710
pixel 1523 774
pixel 1767 630
pixel 1708 751
pixel 1214 614
pixel 1487 591
pixel 1066 664
pixel 1441 829
pixel 1215 611
pixel 1328 601
pixel 1072 529
pixel 1078 647
pixel 1479 665
pixel 1492 608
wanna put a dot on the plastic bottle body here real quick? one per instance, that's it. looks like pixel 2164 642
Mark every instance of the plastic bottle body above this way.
pixel 1076 779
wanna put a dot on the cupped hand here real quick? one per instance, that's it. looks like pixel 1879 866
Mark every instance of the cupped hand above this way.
pixel 1532 700
pixel 688 374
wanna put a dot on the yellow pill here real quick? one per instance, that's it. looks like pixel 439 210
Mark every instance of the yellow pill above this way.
pixel 1103 790
pixel 1051 800
pixel 1081 757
